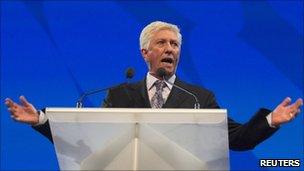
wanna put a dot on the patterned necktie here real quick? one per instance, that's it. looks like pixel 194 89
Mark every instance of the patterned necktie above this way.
pixel 157 100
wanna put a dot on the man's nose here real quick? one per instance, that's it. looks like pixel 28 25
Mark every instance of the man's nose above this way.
pixel 169 48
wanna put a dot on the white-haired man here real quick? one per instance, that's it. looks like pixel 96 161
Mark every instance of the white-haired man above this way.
pixel 160 44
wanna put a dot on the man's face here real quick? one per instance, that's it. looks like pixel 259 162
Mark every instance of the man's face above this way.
pixel 163 52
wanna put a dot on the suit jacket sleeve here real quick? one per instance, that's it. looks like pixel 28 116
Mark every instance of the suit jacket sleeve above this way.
pixel 44 129
pixel 245 136
pixel 250 134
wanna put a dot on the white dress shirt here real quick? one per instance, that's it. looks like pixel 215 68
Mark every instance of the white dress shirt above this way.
pixel 150 80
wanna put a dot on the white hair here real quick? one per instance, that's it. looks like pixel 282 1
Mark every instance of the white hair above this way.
pixel 150 29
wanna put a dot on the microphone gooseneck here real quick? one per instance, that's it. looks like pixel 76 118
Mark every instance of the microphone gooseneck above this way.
pixel 162 73
pixel 129 75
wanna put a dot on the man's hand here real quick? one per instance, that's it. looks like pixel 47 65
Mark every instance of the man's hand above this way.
pixel 25 112
pixel 285 112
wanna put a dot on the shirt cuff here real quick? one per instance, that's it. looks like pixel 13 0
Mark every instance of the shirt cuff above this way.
pixel 268 117
pixel 42 118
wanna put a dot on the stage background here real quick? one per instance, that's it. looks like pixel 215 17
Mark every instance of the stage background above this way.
pixel 250 54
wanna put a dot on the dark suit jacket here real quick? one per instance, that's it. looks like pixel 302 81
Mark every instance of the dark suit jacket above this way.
pixel 241 137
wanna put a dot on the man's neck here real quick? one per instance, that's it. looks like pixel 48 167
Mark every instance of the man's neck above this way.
pixel 150 79
pixel 158 77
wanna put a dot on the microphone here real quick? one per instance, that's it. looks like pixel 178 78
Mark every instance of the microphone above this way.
pixel 130 72
pixel 161 72
pixel 129 75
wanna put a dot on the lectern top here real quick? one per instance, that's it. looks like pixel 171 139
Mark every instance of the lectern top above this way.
pixel 137 115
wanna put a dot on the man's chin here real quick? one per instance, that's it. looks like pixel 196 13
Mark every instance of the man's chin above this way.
pixel 170 72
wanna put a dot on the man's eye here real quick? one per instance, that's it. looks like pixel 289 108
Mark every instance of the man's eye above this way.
pixel 161 42
pixel 175 44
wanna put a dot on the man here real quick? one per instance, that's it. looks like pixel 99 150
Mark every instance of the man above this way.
pixel 160 44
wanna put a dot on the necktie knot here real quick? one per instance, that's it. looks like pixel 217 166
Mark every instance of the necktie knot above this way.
pixel 159 85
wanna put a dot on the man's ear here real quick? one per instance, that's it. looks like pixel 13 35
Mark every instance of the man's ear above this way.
pixel 144 53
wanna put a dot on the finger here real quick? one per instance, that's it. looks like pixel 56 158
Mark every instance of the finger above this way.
pixel 23 101
pixel 299 103
pixel 15 118
pixel 12 111
pixel 286 101
pixel 291 116
pixel 9 102
pixel 293 108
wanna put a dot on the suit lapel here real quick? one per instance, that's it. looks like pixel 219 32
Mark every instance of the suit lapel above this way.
pixel 174 100
pixel 144 99
pixel 176 96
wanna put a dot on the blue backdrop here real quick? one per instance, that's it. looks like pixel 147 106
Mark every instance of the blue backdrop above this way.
pixel 250 54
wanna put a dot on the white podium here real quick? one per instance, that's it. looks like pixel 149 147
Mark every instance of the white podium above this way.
pixel 140 139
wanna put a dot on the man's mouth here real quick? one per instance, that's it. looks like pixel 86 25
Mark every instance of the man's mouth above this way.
pixel 167 60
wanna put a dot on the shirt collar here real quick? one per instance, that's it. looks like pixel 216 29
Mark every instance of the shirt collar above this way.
pixel 150 80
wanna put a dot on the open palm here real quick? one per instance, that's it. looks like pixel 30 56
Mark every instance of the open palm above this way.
pixel 25 112
pixel 286 111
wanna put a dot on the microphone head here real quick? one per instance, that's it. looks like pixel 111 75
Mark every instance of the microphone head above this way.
pixel 130 72
pixel 161 72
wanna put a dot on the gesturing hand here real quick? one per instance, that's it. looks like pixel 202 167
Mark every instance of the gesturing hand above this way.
pixel 25 112
pixel 285 111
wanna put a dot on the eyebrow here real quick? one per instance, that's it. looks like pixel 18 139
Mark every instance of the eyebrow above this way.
pixel 170 40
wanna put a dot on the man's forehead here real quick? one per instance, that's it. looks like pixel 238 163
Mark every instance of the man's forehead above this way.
pixel 165 34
